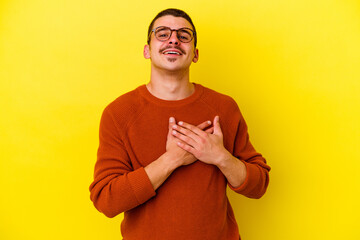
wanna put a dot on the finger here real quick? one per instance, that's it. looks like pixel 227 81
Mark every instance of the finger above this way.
pixel 217 129
pixel 188 133
pixel 187 148
pixel 171 123
pixel 210 130
pixel 204 125
pixel 187 139
pixel 192 128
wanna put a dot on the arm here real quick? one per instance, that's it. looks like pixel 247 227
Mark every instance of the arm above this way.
pixel 247 169
pixel 159 170
pixel 117 187
pixel 233 169
pixel 257 170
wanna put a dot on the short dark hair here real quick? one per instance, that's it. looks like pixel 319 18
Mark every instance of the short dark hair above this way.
pixel 173 12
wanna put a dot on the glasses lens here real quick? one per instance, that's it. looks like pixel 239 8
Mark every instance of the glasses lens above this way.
pixel 163 34
pixel 185 35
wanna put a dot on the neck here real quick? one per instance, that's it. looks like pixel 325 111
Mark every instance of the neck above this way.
pixel 170 86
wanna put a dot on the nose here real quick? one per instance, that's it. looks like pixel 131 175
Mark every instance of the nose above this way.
pixel 173 38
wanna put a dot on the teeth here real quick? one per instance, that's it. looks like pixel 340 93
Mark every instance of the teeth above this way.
pixel 170 52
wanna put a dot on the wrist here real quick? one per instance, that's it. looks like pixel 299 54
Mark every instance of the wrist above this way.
pixel 224 160
pixel 171 161
pixel 233 169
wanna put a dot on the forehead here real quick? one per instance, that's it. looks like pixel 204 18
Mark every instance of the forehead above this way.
pixel 172 22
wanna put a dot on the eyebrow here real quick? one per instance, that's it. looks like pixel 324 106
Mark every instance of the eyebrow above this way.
pixel 159 27
pixel 185 30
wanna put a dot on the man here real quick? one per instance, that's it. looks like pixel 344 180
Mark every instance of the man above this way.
pixel 169 148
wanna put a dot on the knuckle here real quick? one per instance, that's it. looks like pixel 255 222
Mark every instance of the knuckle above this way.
pixel 191 127
pixel 185 147
pixel 180 136
pixel 204 134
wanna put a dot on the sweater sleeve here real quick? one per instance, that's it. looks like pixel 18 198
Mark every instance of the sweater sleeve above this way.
pixel 257 177
pixel 117 187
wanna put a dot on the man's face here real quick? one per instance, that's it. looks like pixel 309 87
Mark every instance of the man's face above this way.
pixel 159 53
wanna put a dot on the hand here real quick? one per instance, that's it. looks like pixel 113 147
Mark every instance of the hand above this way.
pixel 185 157
pixel 205 146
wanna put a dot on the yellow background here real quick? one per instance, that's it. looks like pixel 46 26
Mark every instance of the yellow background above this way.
pixel 292 66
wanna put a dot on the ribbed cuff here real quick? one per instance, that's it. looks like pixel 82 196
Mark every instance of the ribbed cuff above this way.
pixel 141 185
pixel 251 173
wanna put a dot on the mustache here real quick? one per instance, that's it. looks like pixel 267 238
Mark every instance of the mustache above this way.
pixel 176 47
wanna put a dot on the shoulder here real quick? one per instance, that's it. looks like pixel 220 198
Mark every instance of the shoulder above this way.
pixel 218 100
pixel 226 108
pixel 125 100
pixel 125 107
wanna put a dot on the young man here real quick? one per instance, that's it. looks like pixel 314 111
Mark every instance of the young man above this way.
pixel 168 149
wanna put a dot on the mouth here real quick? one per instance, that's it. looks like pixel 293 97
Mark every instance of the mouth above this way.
pixel 173 52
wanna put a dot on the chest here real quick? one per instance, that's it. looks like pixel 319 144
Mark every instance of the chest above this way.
pixel 146 136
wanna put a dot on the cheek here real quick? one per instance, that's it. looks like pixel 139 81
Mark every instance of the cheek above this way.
pixel 190 54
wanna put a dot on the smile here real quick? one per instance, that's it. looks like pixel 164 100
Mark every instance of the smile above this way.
pixel 172 52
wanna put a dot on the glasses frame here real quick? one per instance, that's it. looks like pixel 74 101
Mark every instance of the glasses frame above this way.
pixel 177 33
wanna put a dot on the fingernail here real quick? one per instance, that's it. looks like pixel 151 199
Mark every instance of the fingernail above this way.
pixel 180 123
pixel 171 119
pixel 174 132
pixel 209 122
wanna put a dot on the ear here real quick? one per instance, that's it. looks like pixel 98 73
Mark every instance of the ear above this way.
pixel 196 55
pixel 147 51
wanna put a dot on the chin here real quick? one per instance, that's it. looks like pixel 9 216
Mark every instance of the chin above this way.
pixel 173 66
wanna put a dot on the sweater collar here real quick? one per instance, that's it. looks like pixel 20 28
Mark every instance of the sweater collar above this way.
pixel 144 92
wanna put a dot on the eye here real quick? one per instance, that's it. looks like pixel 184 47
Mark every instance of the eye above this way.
pixel 184 37
pixel 162 33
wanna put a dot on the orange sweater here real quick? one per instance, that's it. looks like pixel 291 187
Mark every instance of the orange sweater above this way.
pixel 192 202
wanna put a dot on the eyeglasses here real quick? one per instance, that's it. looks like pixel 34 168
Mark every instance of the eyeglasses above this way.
pixel 162 34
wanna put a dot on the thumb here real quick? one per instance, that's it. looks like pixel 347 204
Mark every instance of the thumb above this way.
pixel 217 129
